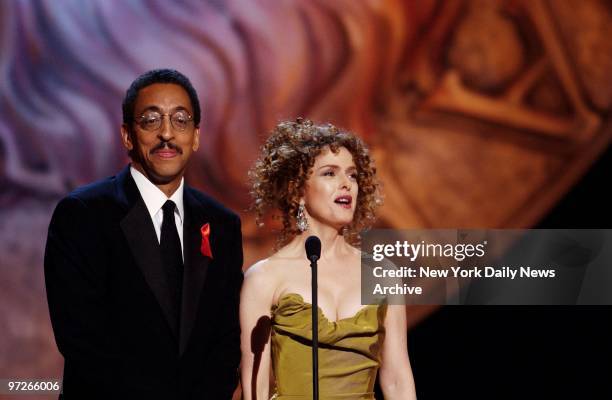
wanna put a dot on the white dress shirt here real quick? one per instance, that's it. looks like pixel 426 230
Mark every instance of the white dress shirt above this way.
pixel 155 199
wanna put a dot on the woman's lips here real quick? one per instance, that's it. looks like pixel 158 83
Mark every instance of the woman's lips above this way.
pixel 344 202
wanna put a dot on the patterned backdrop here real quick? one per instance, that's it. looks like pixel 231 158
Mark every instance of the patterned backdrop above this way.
pixel 480 113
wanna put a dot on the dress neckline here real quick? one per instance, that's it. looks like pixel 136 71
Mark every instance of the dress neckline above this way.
pixel 300 298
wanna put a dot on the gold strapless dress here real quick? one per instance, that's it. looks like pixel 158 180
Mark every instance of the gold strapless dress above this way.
pixel 349 351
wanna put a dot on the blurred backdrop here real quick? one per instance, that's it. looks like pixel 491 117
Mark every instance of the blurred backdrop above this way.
pixel 479 113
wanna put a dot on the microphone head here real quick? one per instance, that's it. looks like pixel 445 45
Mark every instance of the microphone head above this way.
pixel 313 248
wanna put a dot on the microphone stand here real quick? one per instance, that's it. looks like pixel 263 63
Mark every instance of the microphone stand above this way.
pixel 315 331
pixel 313 252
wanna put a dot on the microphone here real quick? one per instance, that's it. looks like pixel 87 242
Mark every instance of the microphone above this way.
pixel 313 252
pixel 313 248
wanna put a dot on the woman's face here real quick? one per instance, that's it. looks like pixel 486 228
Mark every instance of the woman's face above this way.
pixel 330 195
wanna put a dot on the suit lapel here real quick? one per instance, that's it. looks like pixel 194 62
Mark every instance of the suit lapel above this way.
pixel 142 241
pixel 196 265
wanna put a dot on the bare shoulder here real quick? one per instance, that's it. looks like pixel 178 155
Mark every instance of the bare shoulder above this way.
pixel 267 272
pixel 260 283
pixel 260 273
pixel 264 280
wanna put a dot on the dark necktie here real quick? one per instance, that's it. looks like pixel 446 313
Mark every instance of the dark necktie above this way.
pixel 170 245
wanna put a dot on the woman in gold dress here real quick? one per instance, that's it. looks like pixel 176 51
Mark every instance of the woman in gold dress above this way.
pixel 323 183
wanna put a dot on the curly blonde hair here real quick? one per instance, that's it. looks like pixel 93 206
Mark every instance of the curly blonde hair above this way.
pixel 279 175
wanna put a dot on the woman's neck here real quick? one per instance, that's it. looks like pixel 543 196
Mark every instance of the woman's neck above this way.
pixel 333 244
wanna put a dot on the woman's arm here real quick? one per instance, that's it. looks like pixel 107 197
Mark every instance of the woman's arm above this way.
pixel 255 302
pixel 396 378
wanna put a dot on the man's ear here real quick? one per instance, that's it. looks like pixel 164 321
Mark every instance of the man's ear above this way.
pixel 196 139
pixel 126 138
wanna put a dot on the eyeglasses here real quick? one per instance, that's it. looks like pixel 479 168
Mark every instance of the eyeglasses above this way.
pixel 152 120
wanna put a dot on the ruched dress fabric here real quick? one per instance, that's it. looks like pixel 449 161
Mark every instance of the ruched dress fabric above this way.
pixel 349 351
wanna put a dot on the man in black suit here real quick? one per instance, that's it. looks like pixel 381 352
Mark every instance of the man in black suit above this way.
pixel 143 272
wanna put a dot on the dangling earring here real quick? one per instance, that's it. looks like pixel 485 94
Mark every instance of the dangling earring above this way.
pixel 302 222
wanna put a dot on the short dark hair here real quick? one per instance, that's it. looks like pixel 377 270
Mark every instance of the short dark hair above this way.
pixel 158 76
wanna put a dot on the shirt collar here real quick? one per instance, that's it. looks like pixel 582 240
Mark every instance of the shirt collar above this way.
pixel 154 198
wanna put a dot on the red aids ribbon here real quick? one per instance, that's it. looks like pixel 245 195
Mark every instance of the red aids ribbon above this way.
pixel 205 246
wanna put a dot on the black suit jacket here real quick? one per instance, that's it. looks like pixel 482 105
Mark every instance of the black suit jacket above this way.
pixel 110 306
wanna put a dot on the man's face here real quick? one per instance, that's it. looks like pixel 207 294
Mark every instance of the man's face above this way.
pixel 162 153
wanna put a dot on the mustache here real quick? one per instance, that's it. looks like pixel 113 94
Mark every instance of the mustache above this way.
pixel 168 145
